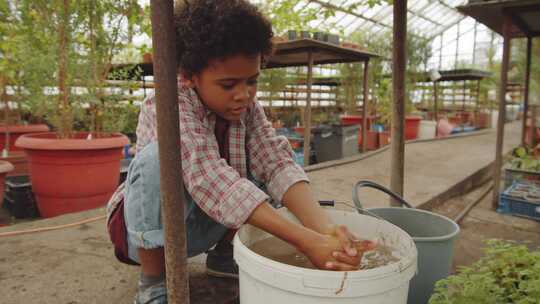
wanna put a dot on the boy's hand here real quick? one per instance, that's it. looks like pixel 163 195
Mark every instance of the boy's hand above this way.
pixel 351 246
pixel 321 251
pixel 337 249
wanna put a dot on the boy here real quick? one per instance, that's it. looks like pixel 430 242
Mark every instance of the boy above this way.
pixel 228 147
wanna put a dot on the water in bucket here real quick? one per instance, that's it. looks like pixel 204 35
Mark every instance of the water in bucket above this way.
pixel 280 251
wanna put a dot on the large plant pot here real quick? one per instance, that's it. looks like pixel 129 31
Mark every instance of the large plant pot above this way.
pixel 481 120
pixel 384 138
pixel 70 175
pixel 348 120
pixel 5 167
pixel 372 142
pixel 412 125
pixel 15 131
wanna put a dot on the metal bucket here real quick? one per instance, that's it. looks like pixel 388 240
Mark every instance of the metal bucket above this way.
pixel 432 233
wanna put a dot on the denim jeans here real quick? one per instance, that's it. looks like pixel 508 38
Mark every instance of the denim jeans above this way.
pixel 143 210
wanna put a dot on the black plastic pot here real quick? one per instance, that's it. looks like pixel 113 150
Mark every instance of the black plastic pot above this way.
pixel 292 35
pixel 19 199
pixel 305 35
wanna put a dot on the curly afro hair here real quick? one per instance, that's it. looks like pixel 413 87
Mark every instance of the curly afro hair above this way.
pixel 216 29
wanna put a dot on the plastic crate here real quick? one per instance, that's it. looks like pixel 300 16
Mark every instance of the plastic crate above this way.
pixel 519 205
pixel 512 176
pixel 19 199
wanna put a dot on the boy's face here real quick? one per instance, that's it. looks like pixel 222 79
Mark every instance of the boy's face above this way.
pixel 228 86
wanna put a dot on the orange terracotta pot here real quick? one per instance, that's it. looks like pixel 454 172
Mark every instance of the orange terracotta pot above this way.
pixel 5 168
pixel 412 126
pixel 481 120
pixel 15 131
pixel 372 142
pixel 147 58
pixel 70 175
pixel 384 138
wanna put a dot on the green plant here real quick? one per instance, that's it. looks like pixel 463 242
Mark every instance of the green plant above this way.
pixel 525 159
pixel 71 46
pixel 508 273
pixel 273 82
pixel 350 75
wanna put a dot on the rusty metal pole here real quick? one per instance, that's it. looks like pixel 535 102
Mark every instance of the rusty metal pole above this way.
pixel 364 107
pixel 474 43
pixel 436 107
pixel 307 114
pixel 502 111
pixel 526 97
pixel 477 105
pixel 168 129
pixel 399 61
pixel 464 99
pixel 534 115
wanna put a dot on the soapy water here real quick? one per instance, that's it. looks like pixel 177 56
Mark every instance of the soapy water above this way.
pixel 280 251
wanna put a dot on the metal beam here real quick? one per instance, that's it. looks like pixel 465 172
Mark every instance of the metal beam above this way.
pixel 526 96
pixel 398 86
pixel 365 107
pixel 168 130
pixel 474 43
pixel 307 113
pixel 502 110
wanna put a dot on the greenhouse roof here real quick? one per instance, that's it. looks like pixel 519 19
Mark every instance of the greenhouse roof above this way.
pixel 426 18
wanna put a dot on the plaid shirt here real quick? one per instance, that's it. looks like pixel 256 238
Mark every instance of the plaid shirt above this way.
pixel 219 189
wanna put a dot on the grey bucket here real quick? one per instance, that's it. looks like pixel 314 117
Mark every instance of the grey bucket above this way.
pixel 432 233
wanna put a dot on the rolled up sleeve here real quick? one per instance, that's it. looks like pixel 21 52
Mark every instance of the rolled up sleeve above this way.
pixel 271 156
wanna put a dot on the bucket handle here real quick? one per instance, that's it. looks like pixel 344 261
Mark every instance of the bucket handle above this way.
pixel 327 203
pixel 370 184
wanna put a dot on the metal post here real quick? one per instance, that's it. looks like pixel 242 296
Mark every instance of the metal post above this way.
pixel 534 115
pixel 364 107
pixel 477 106
pixel 457 45
pixel 399 60
pixel 172 185
pixel 436 108
pixel 502 110
pixel 474 43
pixel 307 114
pixel 440 53
pixel 464 90
pixel 526 97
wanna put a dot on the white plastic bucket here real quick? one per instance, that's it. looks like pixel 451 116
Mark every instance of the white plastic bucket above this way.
pixel 264 281
pixel 427 129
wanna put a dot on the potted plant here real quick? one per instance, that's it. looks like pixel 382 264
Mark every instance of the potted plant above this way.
pixel 74 170
pixel 14 53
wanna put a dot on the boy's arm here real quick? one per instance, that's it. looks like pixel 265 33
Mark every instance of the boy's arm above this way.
pixel 323 250
pixel 300 201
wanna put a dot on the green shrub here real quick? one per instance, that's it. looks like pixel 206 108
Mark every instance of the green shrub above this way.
pixel 508 273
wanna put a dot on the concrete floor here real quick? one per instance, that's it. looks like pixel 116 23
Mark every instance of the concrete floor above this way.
pixel 76 265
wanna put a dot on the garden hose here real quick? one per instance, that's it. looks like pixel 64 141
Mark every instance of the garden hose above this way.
pixel 43 229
